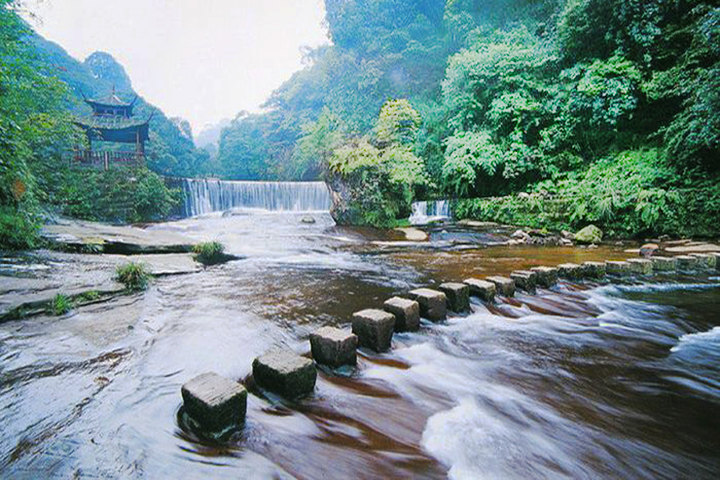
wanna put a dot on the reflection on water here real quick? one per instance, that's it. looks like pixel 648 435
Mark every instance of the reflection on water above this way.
pixel 582 381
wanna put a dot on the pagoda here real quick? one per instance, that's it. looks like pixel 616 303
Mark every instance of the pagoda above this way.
pixel 112 120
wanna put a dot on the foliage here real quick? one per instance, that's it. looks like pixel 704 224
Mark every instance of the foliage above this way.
pixel 61 304
pixel 134 276
pixel 398 123
pixel 316 145
pixel 120 195
pixel 209 253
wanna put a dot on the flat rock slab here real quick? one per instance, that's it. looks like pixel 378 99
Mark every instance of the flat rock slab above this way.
pixel 708 260
pixel 126 240
pixel 374 329
pixel 594 269
pixel 687 262
pixel 640 266
pixel 571 271
pixel 406 312
pixel 413 234
pixel 481 288
pixel 215 402
pixel 458 296
pixel 285 373
pixel 504 286
pixel 694 248
pixel 546 276
pixel 334 347
pixel 433 303
pixel 618 268
pixel 664 264
pixel 525 280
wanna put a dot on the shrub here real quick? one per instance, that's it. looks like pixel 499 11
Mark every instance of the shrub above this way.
pixel 133 275
pixel 61 304
pixel 209 253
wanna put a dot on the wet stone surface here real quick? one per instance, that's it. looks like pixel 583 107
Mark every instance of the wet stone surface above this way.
pixel 547 276
pixel 374 329
pixel 482 289
pixel 433 303
pixel 525 280
pixel 458 296
pixel 285 373
pixel 504 286
pixel 406 312
pixel 618 268
pixel 215 402
pixel 333 347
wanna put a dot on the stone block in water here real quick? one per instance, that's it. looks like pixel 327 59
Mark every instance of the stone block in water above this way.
pixel 618 268
pixel 407 313
pixel 433 304
pixel 717 260
pixel 481 288
pixel 571 271
pixel 374 329
pixel 664 264
pixel 285 373
pixel 505 286
pixel 593 269
pixel 640 266
pixel 525 280
pixel 334 347
pixel 706 260
pixel 215 402
pixel 687 262
pixel 546 276
pixel 458 296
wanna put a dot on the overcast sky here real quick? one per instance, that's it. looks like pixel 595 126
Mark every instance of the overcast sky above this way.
pixel 202 60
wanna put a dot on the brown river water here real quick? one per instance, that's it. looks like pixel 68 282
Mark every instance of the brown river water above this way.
pixel 591 380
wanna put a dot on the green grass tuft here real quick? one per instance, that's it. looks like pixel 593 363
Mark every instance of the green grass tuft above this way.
pixel 133 275
pixel 209 253
pixel 61 304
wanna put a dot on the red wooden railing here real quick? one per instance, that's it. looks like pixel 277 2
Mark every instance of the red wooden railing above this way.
pixel 106 159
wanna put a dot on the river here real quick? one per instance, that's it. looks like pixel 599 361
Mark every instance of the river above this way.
pixel 586 380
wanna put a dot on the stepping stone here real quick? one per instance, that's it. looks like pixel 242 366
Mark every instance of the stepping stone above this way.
pixel 481 288
pixel 717 260
pixel 334 347
pixel 593 269
pixel 525 280
pixel 458 296
pixel 505 286
pixel 640 266
pixel 433 304
pixel 618 268
pixel 687 262
pixel 570 271
pixel 215 402
pixel 407 313
pixel 706 259
pixel 546 276
pixel 285 373
pixel 664 264
pixel 374 329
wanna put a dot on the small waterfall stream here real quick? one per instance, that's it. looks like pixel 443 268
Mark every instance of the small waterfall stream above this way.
pixel 205 196
pixel 424 212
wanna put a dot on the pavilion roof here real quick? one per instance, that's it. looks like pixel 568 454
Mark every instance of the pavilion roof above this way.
pixel 110 122
pixel 111 100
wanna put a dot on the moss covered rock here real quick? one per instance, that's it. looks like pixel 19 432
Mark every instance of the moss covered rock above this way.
pixel 589 234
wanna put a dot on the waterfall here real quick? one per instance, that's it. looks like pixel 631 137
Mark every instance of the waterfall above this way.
pixel 205 196
pixel 424 212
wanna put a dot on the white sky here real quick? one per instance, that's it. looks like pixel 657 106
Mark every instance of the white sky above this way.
pixel 202 60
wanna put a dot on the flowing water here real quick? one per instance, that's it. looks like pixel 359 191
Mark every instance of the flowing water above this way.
pixel 579 381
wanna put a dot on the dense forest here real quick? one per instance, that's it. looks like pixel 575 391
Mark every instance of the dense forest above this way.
pixel 610 110
pixel 557 113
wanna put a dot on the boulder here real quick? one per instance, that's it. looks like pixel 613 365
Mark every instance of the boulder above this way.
pixel 307 219
pixel 525 280
pixel 504 286
pixel 571 271
pixel 664 264
pixel 546 276
pixel 481 288
pixel 374 329
pixel 649 249
pixel 334 347
pixel 567 235
pixel 589 234
pixel 458 296
pixel 406 312
pixel 717 260
pixel 215 402
pixel 413 234
pixel 618 268
pixel 565 242
pixel 687 262
pixel 433 304
pixel 593 269
pixel 521 235
pixel 285 373
pixel 640 266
